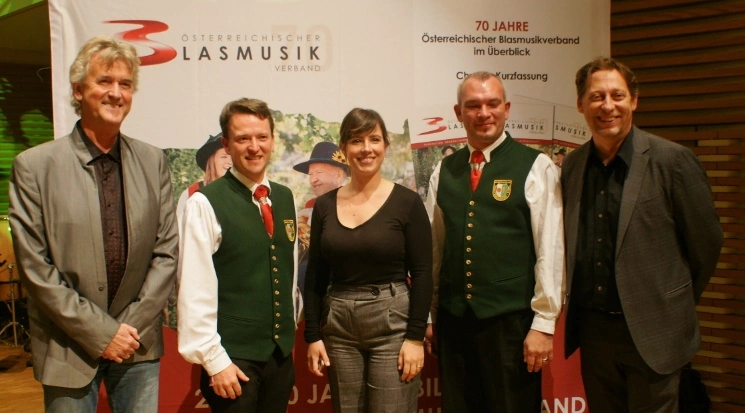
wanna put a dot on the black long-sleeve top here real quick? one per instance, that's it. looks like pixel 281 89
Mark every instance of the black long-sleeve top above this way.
pixel 396 242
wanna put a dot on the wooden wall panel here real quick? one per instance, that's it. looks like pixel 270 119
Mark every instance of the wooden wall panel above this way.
pixel 689 57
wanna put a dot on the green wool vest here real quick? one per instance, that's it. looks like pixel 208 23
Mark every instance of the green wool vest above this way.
pixel 254 272
pixel 489 257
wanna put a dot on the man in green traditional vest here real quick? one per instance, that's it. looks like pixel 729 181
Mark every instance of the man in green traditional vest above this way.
pixel 238 273
pixel 498 239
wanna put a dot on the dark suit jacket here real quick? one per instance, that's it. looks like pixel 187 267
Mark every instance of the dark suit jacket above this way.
pixel 56 224
pixel 669 238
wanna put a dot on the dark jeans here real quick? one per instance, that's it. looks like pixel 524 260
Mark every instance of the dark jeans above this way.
pixel 131 387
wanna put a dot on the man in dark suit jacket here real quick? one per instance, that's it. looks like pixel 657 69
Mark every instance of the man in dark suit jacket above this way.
pixel 642 242
pixel 95 235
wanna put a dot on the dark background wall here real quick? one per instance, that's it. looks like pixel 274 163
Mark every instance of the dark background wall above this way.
pixel 25 116
pixel 25 83
pixel 689 56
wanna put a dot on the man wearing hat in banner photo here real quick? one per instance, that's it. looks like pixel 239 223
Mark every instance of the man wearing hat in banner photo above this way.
pixel 214 161
pixel 326 169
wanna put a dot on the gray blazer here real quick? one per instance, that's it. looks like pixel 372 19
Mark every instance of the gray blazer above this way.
pixel 668 244
pixel 56 225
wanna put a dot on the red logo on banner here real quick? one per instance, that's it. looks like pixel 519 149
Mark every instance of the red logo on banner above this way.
pixel 434 121
pixel 161 53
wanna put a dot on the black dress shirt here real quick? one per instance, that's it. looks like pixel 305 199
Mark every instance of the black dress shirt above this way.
pixel 108 167
pixel 594 286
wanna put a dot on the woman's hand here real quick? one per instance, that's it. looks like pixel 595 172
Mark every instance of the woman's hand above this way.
pixel 410 359
pixel 317 358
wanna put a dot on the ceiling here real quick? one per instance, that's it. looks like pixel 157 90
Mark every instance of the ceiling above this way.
pixel 24 36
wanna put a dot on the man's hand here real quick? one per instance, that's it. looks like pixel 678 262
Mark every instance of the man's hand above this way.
pixel 538 350
pixel 123 345
pixel 410 360
pixel 430 340
pixel 225 383
pixel 317 358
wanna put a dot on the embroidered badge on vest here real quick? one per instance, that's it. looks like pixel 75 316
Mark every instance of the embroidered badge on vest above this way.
pixel 501 189
pixel 290 229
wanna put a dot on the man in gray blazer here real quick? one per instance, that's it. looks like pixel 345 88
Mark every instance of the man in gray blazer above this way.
pixel 95 235
pixel 642 242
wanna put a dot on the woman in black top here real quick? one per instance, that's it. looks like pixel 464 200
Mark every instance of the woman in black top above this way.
pixel 369 280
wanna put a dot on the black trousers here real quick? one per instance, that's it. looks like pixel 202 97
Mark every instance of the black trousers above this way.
pixel 267 390
pixel 481 364
pixel 616 378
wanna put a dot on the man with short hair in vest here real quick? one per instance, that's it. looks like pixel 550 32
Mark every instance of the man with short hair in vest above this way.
pixel 238 273
pixel 498 242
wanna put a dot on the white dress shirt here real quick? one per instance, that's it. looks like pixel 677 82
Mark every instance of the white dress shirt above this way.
pixel 543 195
pixel 201 235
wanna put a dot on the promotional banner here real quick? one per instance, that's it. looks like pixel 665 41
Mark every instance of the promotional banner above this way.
pixel 312 62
